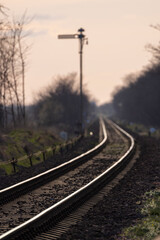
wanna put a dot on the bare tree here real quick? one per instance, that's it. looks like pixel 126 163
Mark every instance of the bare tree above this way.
pixel 154 50
pixel 12 70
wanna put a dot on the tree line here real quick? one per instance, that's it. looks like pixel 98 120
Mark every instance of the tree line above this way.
pixel 59 104
pixel 139 99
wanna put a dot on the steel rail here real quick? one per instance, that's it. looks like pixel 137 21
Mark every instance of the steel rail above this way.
pixel 52 212
pixel 41 178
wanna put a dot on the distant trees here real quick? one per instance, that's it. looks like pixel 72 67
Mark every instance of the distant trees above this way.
pixel 59 103
pixel 107 109
pixel 139 100
pixel 12 70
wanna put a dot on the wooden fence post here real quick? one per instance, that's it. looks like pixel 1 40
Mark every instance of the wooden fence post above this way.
pixel 44 156
pixel 13 162
pixel 30 159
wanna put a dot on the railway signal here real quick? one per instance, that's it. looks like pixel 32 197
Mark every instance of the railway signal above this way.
pixel 82 40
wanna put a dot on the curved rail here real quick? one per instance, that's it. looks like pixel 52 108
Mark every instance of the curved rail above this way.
pixel 63 205
pixel 54 172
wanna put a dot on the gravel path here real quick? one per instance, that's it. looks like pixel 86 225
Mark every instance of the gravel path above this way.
pixel 121 207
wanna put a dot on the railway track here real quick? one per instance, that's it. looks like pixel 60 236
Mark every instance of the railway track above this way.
pixel 41 208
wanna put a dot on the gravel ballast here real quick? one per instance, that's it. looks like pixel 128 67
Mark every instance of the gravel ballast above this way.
pixel 121 207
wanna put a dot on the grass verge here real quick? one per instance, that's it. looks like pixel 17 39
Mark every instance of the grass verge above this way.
pixel 149 227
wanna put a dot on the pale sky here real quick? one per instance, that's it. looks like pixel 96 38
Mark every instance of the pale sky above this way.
pixel 117 30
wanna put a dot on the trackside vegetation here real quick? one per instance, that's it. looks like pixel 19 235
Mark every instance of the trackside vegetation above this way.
pixel 24 146
pixel 149 226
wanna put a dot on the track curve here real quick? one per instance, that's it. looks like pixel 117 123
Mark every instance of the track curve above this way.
pixel 78 195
